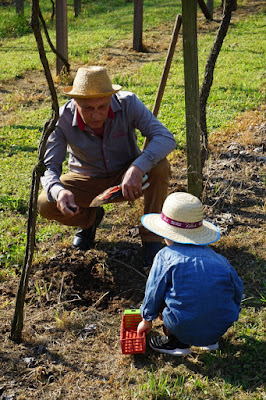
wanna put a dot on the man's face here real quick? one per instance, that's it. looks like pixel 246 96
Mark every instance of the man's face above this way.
pixel 94 112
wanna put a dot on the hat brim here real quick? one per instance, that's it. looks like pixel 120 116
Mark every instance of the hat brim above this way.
pixel 207 233
pixel 70 92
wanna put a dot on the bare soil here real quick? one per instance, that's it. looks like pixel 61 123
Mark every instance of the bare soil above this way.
pixel 75 299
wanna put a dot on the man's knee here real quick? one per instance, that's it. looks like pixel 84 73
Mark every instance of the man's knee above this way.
pixel 44 206
pixel 160 170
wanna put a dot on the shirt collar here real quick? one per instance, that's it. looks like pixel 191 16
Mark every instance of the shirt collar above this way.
pixel 81 123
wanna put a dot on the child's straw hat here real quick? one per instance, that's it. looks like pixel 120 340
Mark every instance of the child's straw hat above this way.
pixel 181 221
pixel 91 82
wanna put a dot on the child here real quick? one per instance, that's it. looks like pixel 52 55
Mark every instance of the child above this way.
pixel 196 291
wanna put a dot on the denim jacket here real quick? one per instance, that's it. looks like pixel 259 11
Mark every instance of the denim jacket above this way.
pixel 198 290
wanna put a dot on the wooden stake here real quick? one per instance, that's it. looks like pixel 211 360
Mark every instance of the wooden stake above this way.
pixel 138 25
pixel 18 318
pixel 190 50
pixel 61 33
pixel 166 70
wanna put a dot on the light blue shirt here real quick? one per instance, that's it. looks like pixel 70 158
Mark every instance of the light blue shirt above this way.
pixel 99 157
pixel 200 290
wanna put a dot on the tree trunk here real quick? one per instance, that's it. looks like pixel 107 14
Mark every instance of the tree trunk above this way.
pixel 64 61
pixel 17 321
pixel 210 7
pixel 53 11
pixel 205 9
pixel 230 6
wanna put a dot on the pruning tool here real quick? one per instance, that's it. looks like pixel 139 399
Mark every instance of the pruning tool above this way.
pixel 114 194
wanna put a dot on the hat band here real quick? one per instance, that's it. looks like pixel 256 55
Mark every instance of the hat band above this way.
pixel 179 224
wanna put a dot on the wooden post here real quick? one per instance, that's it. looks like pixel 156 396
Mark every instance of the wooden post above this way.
pixel 167 65
pixel 166 70
pixel 138 24
pixel 77 6
pixel 61 33
pixel 20 7
pixel 190 51
pixel 210 7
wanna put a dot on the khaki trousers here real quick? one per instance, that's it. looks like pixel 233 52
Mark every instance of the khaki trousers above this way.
pixel 86 188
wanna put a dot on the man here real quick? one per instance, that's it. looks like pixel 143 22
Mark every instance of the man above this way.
pixel 97 129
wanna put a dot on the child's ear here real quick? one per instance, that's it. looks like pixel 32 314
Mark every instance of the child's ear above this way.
pixel 168 242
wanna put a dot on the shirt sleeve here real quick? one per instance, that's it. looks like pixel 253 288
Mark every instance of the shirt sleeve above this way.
pixel 156 286
pixel 53 158
pixel 161 140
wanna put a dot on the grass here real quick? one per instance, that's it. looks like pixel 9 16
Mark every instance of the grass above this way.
pixel 237 372
pixel 219 375
pixel 100 24
pixel 235 89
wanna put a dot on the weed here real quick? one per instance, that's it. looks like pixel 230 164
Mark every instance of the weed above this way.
pixel 66 320
pixel 161 386
pixel 43 290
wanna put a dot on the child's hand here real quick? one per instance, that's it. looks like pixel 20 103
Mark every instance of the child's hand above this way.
pixel 144 326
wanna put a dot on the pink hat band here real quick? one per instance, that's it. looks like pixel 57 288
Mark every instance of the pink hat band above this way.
pixel 179 224
pixel 181 221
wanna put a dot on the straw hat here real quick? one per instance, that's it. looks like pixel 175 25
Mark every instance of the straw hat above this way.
pixel 91 82
pixel 181 221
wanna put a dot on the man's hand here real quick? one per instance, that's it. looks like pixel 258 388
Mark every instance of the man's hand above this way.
pixel 144 326
pixel 132 183
pixel 66 203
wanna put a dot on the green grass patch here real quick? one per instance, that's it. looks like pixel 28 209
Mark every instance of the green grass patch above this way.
pixel 238 85
pixel 99 25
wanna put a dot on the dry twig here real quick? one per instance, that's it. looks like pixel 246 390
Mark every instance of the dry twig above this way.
pixel 129 266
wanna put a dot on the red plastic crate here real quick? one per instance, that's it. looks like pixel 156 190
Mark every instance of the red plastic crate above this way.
pixel 131 343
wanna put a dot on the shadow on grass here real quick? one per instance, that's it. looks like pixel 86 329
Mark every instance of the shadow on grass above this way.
pixel 11 150
pixel 13 204
pixel 238 365
pixel 27 360
pixel 117 268
pixel 251 270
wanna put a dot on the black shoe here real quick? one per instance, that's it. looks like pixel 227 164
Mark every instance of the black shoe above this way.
pixel 150 251
pixel 84 238
pixel 169 345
